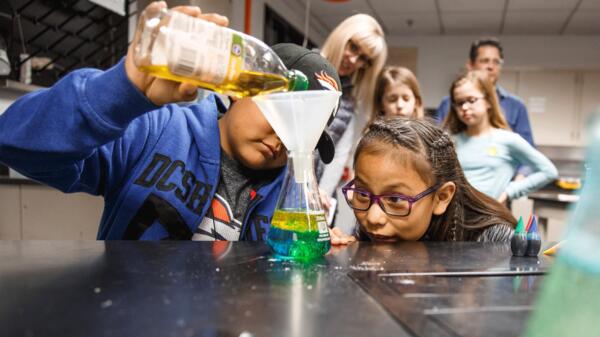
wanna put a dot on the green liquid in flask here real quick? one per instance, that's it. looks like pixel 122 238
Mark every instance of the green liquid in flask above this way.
pixel 299 235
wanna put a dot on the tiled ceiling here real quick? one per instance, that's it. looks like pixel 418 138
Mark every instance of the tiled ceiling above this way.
pixel 458 17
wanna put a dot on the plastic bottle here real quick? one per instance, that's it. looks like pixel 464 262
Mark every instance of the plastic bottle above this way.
pixel 569 302
pixel 534 240
pixel 518 242
pixel 182 48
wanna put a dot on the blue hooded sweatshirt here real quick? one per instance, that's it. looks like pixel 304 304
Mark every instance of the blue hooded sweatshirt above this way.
pixel 156 167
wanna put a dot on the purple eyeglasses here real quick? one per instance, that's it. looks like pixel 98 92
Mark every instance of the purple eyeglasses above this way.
pixel 394 204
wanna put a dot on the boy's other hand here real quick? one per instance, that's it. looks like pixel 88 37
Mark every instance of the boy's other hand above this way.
pixel 340 238
pixel 160 91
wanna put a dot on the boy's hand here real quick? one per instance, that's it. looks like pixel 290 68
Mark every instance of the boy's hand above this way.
pixel 339 238
pixel 160 91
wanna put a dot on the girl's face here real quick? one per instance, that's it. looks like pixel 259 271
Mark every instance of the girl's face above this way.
pixel 247 137
pixel 470 105
pixel 381 173
pixel 354 58
pixel 398 100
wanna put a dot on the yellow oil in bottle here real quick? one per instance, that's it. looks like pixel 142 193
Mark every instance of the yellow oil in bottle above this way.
pixel 248 83
pixel 299 234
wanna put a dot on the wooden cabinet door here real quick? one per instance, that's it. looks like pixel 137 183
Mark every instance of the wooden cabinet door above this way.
pixel 550 97
pixel 48 214
pixel 10 212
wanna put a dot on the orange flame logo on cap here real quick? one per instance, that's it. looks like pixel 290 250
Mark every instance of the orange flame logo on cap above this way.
pixel 327 81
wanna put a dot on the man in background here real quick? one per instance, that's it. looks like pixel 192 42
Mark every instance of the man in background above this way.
pixel 486 54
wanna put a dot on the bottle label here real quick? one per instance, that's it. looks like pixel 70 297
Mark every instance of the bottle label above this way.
pixel 198 49
pixel 323 229
pixel 235 59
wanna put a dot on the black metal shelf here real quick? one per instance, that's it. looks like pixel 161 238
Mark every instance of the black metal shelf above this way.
pixel 67 34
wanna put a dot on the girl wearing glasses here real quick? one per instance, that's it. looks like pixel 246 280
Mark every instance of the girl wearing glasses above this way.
pixel 410 186
pixel 357 49
pixel 487 149
pixel 397 93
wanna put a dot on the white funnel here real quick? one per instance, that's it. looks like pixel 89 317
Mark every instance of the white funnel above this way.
pixel 298 118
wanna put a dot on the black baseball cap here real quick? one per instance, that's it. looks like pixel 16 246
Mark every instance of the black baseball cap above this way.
pixel 321 76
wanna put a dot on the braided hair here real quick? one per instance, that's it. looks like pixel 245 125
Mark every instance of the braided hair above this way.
pixel 470 211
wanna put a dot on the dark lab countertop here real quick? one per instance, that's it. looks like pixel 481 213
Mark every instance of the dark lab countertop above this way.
pixel 119 288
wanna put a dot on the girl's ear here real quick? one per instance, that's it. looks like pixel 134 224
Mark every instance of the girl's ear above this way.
pixel 488 104
pixel 469 65
pixel 443 196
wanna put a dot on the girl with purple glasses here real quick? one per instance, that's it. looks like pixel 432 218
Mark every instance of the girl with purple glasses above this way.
pixel 410 186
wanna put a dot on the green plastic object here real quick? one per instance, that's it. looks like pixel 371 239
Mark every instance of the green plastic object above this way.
pixel 520 226
pixel 298 81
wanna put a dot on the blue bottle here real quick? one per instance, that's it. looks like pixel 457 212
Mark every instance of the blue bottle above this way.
pixel 534 241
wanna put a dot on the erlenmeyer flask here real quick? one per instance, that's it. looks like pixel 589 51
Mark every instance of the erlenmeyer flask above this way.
pixel 299 227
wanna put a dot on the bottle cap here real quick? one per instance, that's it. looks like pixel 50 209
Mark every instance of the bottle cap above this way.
pixel 520 226
pixel 528 223
pixel 298 81
pixel 534 225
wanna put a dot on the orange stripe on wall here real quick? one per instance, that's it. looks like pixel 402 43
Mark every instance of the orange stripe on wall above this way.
pixel 247 16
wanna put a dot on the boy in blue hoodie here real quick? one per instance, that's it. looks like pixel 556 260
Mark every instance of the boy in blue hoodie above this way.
pixel 165 171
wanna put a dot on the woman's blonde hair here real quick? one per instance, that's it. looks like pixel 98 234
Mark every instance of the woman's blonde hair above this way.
pixel 392 76
pixel 365 31
pixel 481 81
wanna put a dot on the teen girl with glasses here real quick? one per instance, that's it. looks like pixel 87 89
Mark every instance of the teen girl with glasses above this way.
pixel 489 152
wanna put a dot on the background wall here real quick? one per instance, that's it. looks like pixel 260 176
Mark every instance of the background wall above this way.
pixel 438 58
pixel 441 58
pixel 293 13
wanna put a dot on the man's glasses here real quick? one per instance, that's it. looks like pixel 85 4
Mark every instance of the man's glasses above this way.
pixel 458 104
pixel 486 61
pixel 362 57
pixel 393 204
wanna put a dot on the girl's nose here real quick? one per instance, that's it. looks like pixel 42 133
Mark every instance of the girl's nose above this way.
pixel 353 59
pixel 399 104
pixel 376 217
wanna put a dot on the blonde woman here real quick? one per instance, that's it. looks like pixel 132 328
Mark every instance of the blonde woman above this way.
pixel 357 49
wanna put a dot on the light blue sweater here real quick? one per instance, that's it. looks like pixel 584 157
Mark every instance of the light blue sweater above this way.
pixel 490 161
